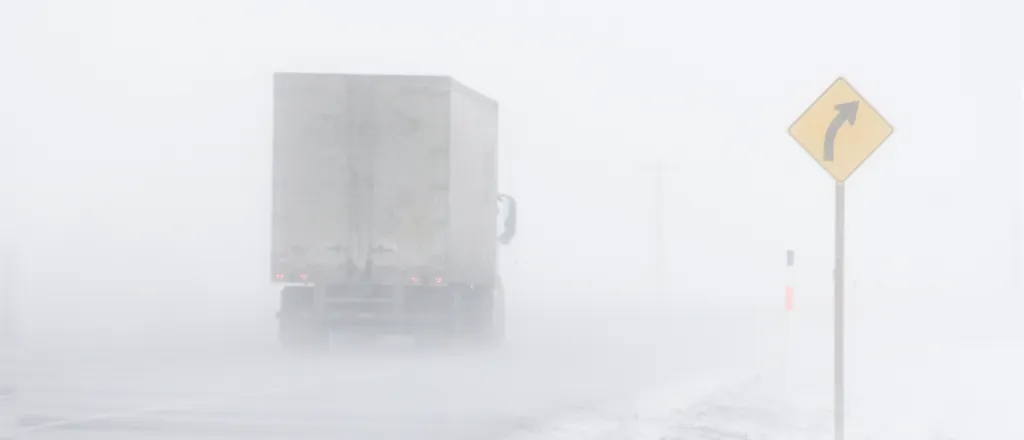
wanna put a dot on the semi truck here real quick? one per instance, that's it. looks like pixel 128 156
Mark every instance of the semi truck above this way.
pixel 386 215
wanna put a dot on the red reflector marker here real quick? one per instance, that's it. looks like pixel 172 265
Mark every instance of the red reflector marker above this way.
pixel 789 298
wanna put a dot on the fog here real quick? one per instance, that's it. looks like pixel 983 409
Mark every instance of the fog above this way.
pixel 136 226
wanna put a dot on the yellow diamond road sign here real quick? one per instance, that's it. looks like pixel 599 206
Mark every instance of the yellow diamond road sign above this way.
pixel 840 130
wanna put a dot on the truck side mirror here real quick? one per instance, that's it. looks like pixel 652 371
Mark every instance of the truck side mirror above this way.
pixel 507 218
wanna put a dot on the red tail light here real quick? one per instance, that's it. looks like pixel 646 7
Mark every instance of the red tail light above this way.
pixel 279 276
pixel 438 280
pixel 302 277
pixel 415 280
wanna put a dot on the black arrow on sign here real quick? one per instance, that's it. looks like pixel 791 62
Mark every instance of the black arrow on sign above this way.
pixel 847 112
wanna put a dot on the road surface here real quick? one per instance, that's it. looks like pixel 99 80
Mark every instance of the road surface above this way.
pixel 553 365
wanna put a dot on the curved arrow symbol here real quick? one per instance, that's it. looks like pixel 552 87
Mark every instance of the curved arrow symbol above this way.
pixel 847 112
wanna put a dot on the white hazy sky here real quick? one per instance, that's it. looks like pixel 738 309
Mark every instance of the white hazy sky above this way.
pixel 142 134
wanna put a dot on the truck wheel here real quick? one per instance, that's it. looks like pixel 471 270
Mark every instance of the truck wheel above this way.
pixel 441 319
pixel 484 315
pixel 298 334
pixel 297 327
pixel 432 340
pixel 498 326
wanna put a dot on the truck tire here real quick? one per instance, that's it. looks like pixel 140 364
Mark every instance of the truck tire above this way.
pixel 444 322
pixel 483 315
pixel 498 327
pixel 297 326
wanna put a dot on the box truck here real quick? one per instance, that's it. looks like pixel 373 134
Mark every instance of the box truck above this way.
pixel 386 213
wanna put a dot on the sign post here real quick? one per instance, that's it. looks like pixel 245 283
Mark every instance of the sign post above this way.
pixel 840 130
pixel 840 302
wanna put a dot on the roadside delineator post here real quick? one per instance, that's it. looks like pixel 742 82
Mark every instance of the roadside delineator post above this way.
pixel 790 257
pixel 789 310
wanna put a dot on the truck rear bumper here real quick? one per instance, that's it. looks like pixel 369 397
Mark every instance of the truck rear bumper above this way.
pixel 375 308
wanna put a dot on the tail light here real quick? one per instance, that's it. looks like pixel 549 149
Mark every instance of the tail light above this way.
pixel 303 277
pixel 436 280
pixel 279 277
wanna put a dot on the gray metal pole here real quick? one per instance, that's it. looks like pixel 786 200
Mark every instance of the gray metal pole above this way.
pixel 839 324
pixel 8 324
pixel 9 248
pixel 8 356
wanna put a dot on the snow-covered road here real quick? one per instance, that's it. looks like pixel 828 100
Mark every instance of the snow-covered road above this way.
pixel 902 384
pixel 605 374
pixel 959 393
pixel 556 365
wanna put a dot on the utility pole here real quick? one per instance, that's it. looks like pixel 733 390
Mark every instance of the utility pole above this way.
pixel 9 245
pixel 659 247
pixel 8 342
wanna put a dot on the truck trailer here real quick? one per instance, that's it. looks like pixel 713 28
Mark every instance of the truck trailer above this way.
pixel 386 213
